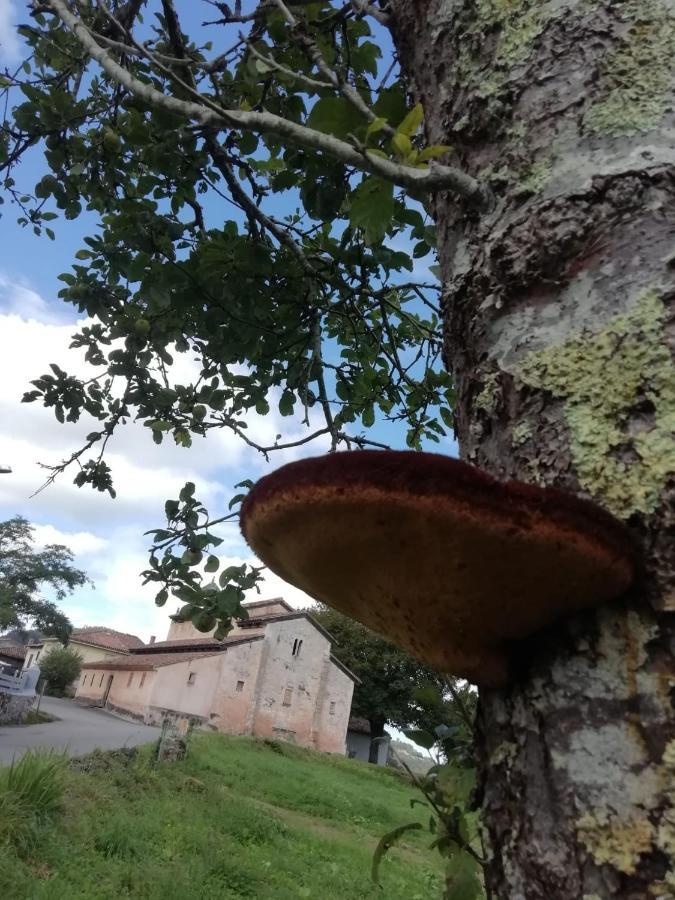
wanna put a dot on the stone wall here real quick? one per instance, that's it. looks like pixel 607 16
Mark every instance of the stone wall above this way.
pixel 14 707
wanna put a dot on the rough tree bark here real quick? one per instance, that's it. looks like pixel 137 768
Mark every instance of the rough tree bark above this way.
pixel 560 330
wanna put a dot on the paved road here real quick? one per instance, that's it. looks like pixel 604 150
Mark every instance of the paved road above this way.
pixel 79 730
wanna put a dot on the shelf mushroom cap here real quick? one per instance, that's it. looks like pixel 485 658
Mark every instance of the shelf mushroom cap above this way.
pixel 437 556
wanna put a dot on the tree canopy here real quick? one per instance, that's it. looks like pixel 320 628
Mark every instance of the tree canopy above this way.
pixel 398 690
pixel 259 186
pixel 25 571
pixel 60 667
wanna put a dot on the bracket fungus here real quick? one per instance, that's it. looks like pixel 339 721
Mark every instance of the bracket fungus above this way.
pixel 436 555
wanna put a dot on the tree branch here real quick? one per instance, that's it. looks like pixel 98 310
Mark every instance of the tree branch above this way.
pixel 312 84
pixel 313 50
pixel 434 178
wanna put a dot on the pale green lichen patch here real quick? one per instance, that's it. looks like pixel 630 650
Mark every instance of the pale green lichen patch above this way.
pixel 486 398
pixel 603 377
pixel 519 22
pixel 613 842
pixel 665 833
pixel 635 78
pixel 516 24
pixel 521 433
pixel 535 176
pixel 503 753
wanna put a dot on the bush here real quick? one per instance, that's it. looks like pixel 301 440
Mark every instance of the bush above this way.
pixel 31 792
pixel 60 667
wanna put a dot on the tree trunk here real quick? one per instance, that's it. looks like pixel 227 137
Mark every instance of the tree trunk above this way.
pixel 559 313
pixel 376 731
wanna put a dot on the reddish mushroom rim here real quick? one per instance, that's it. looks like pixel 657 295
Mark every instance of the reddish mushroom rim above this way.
pixel 433 475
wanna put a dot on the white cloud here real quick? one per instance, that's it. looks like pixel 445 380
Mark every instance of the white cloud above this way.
pixel 106 535
pixel 10 46
pixel 80 542
pixel 18 298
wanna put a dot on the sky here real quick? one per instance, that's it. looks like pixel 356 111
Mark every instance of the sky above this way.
pixel 105 534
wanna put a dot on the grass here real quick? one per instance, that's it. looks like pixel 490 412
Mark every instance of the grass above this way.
pixel 31 794
pixel 238 818
pixel 38 718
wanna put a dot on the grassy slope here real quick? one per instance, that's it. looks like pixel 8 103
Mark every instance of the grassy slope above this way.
pixel 238 818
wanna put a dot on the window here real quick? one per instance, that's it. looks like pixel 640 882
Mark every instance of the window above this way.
pixel 240 687
pixel 37 655
pixel 331 708
pixel 142 679
pixel 192 677
pixel 288 694
pixel 101 681
pixel 297 644
pixel 30 660
pixel 130 679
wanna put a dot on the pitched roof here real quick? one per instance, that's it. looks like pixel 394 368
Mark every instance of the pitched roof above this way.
pixel 204 643
pixel 362 726
pixel 275 600
pixel 14 651
pixel 169 653
pixel 359 725
pixel 108 638
pixel 140 661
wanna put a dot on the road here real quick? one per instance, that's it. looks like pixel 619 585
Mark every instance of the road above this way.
pixel 79 730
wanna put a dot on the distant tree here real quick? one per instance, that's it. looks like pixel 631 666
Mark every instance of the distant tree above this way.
pixel 24 571
pixel 395 688
pixel 21 635
pixel 60 667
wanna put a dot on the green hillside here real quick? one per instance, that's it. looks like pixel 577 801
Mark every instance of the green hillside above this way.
pixel 238 818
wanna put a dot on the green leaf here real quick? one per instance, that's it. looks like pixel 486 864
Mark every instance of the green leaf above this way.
pixel 421 737
pixel 402 146
pixel 335 115
pixel 376 126
pixel 434 152
pixel 462 880
pixel 372 208
pixel 191 557
pixel 446 415
pixel 387 842
pixel 412 121
pixel 212 564
pixel 187 491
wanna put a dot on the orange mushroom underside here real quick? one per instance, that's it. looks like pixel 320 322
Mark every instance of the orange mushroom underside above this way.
pixel 435 555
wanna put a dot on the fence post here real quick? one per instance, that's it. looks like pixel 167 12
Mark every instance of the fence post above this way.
pixel 42 690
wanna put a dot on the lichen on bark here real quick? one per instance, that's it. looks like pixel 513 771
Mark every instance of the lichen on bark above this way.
pixel 635 77
pixel 514 25
pixel 618 386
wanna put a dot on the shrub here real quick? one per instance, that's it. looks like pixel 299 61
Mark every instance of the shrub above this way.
pixel 60 667
pixel 31 792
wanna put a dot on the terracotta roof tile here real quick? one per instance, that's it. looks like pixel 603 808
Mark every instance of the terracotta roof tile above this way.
pixel 205 642
pixel 14 651
pixel 107 638
pixel 147 660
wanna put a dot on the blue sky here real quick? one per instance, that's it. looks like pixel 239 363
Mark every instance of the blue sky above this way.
pixel 105 534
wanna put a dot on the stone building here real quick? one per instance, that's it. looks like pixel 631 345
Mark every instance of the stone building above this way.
pixel 360 743
pixel 274 676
